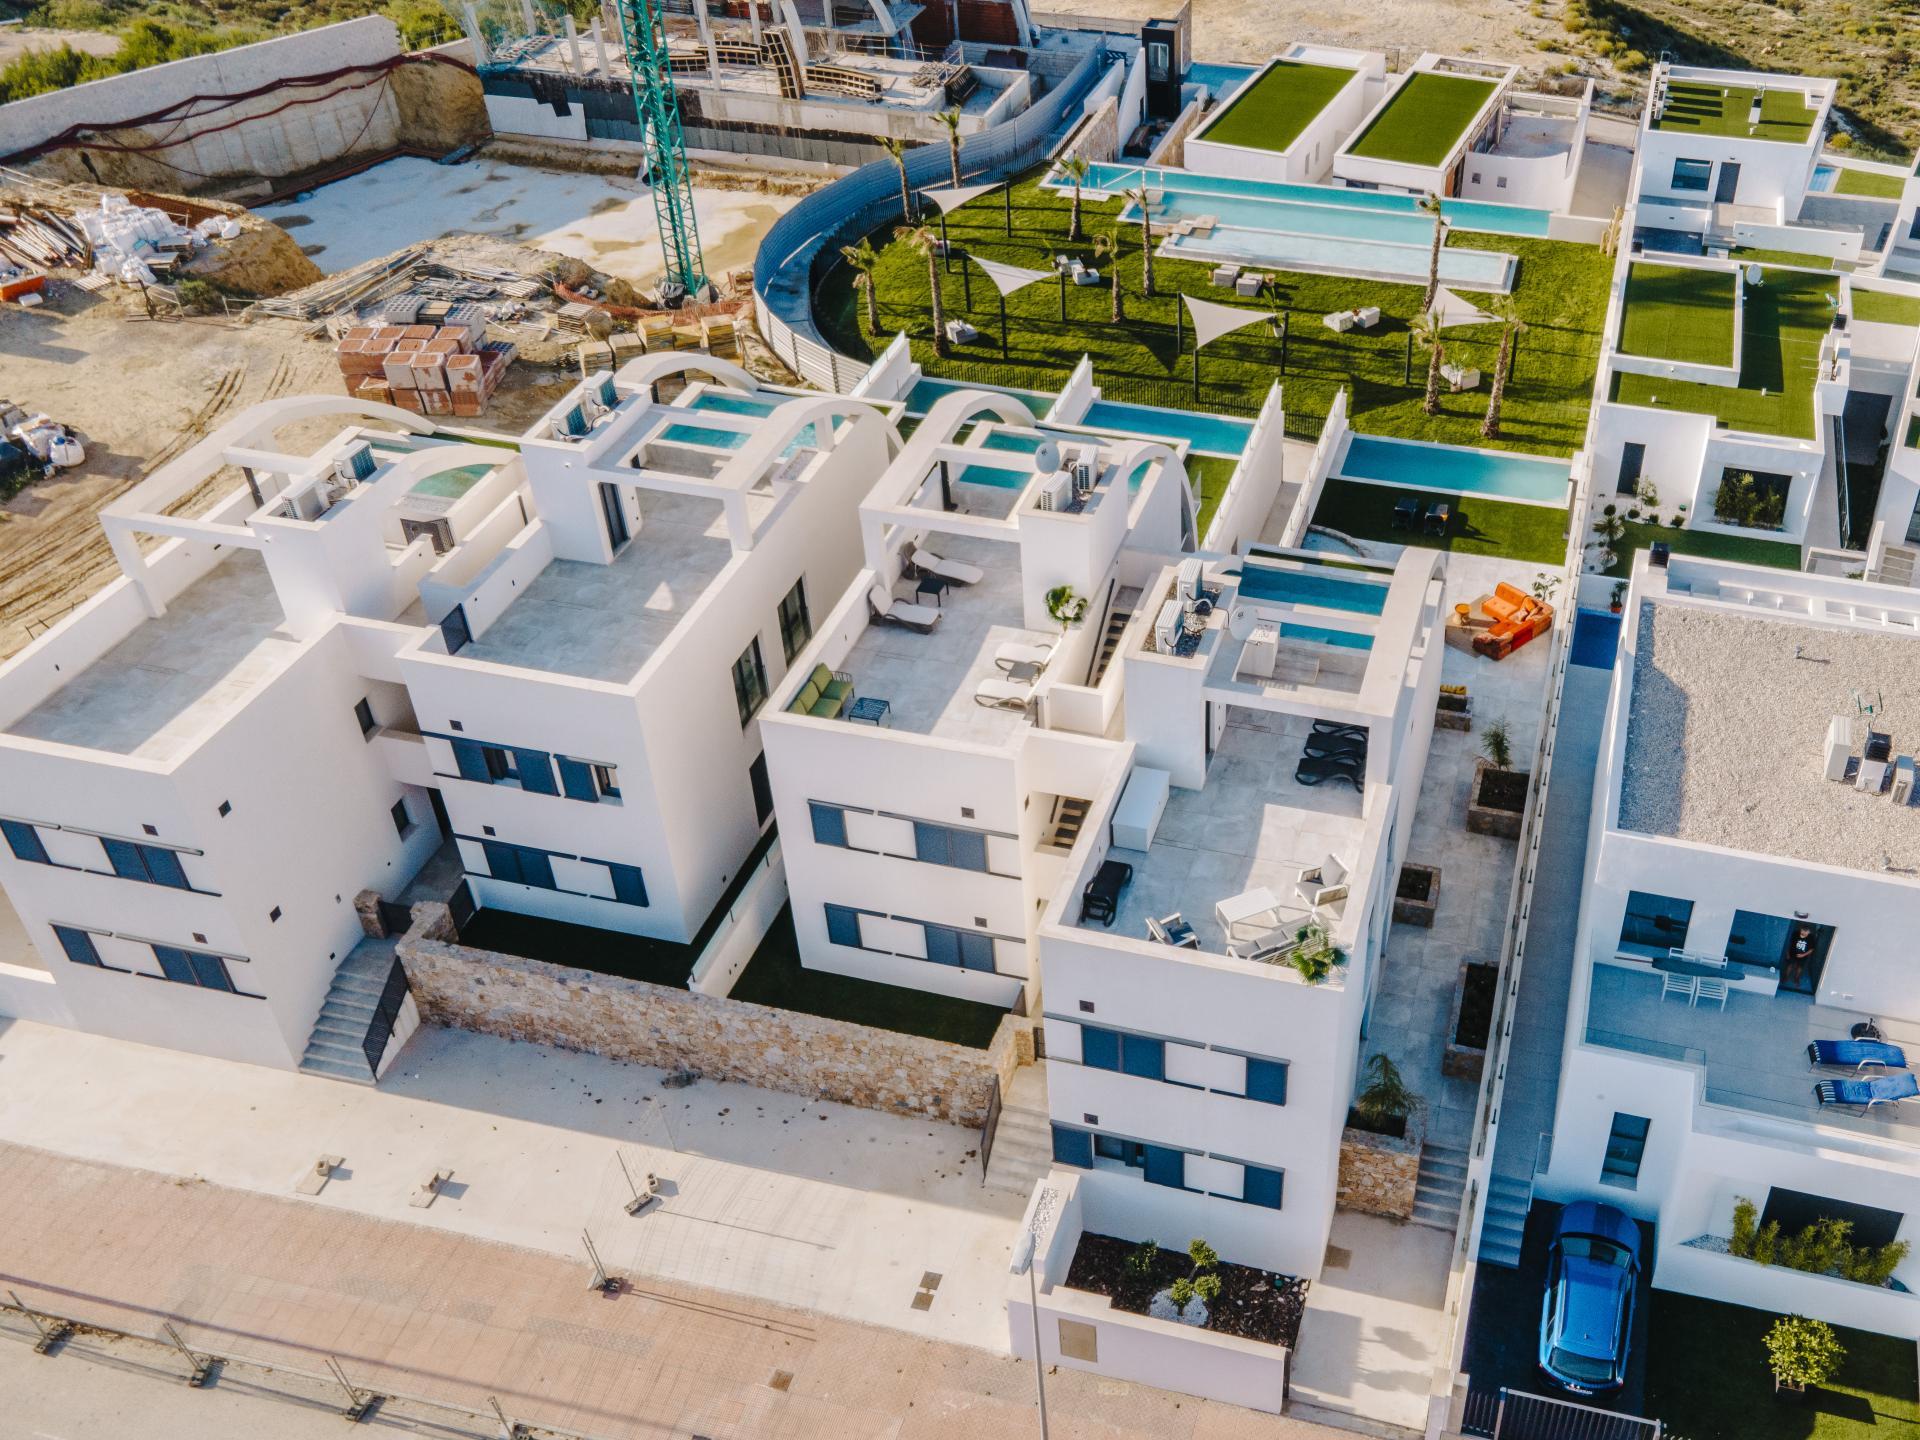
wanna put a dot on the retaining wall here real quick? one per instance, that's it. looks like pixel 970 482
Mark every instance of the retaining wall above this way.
pixel 1378 1173
pixel 520 999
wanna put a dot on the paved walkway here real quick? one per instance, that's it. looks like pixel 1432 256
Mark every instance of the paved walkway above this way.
pixel 433 1313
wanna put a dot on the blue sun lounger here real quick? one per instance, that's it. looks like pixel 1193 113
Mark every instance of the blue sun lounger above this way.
pixel 1856 1055
pixel 1880 1090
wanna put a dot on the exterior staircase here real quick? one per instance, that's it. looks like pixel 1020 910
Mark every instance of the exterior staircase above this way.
pixel 334 1048
pixel 1117 619
pixel 1063 825
pixel 1508 1200
pixel 1897 564
pixel 1441 1186
pixel 1023 1141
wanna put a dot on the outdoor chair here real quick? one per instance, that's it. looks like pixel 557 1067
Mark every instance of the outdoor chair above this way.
pixel 1224 275
pixel 998 694
pixel 1681 985
pixel 1319 746
pixel 1865 1094
pixel 1339 727
pixel 1268 949
pixel 889 611
pixel 1015 652
pixel 1101 899
pixel 1406 510
pixel 1856 1055
pixel 1708 988
pixel 1317 769
pixel 1174 931
pixel 825 696
pixel 1321 881
pixel 957 572
pixel 1439 516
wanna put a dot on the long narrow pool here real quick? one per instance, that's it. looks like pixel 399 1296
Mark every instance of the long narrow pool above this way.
pixel 1330 590
pixel 1207 434
pixel 1416 465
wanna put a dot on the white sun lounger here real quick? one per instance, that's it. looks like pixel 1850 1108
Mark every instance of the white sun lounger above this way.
pixel 1016 652
pixel 957 571
pixel 890 611
pixel 1001 694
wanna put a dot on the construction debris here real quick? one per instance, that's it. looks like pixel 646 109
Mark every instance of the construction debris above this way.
pixel 449 369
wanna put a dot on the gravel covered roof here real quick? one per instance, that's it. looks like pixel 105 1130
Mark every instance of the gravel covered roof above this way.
pixel 1726 735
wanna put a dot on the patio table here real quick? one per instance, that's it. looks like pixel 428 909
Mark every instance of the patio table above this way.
pixel 1246 907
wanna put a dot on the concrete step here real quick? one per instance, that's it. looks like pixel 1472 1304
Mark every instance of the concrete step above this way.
pixel 1504 1228
pixel 337 1070
pixel 348 1010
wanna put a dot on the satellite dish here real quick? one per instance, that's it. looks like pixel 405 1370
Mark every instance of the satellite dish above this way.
pixel 1753 275
pixel 1046 458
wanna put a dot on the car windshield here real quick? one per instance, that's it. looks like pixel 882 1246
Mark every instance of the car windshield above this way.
pixel 1583 1369
pixel 1592 1247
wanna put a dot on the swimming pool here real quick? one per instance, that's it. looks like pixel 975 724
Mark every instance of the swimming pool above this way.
pixel 1420 466
pixel 1305 587
pixel 1207 434
pixel 730 402
pixel 452 484
pixel 1223 80
pixel 1404 264
pixel 925 392
pixel 1596 638
pixel 1824 177
pixel 1238 201
pixel 994 477
pixel 684 434
pixel 1345 639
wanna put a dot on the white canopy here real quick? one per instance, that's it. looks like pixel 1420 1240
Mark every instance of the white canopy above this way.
pixel 1211 319
pixel 1009 278
pixel 951 197
pixel 1449 309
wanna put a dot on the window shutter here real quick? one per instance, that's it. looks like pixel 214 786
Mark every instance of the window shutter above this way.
pixel 843 926
pixel 976 950
pixel 1267 1080
pixel 503 861
pixel 1072 1147
pixel 163 867
pixel 1143 1057
pixel 210 971
pixel 536 868
pixel 829 823
pixel 536 771
pixel 24 841
pixel 576 780
pixel 932 843
pixel 470 759
pixel 943 945
pixel 1165 1167
pixel 124 856
pixel 969 849
pixel 629 885
pixel 1261 1187
pixel 1099 1048
pixel 79 946
pixel 174 964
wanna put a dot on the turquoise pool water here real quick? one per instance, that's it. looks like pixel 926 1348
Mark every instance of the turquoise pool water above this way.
pixel 1306 587
pixel 1013 440
pixel 1223 80
pixel 1208 434
pixel 1824 177
pixel 1345 639
pixel 685 434
pixel 1396 262
pixel 729 402
pixel 995 477
pixel 921 398
pixel 452 484
pixel 1242 202
pixel 1468 472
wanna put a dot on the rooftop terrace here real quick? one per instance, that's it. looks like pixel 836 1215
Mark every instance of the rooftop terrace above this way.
pixel 1679 312
pixel 1270 113
pixel 1424 120
pixel 171 682
pixel 1723 109
pixel 1727 731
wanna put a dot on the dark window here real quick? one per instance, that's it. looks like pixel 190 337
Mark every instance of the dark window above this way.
pixel 1099 1048
pixel 1072 1147
pixel 796 627
pixel 363 712
pixel 945 845
pixel 1130 1054
pixel 629 886
pixel 967 949
pixel 151 863
pixel 829 823
pixel 1127 1152
pixel 607 777
pixel 79 946
pixel 762 788
pixel 402 822
pixel 843 926
pixel 576 780
pixel 193 967
pixel 1655 923
pixel 519 864
pixel 24 841
pixel 1625 1145
pixel 749 682
pixel 499 763
pixel 1267 1080
pixel 1165 1167
pixel 1261 1187
pixel 1692 174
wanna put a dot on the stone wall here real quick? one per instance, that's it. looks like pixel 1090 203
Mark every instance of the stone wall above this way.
pixel 1099 138
pixel 1378 1173
pixel 521 999
pixel 1172 149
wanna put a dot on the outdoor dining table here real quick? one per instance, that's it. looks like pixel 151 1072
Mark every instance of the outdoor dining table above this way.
pixel 1241 909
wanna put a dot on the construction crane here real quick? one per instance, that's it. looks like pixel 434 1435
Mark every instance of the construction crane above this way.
pixel 655 104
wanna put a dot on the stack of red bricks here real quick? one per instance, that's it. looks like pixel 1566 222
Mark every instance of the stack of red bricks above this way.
pixel 428 369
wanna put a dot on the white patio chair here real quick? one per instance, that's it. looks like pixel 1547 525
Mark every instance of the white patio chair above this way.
pixel 1682 985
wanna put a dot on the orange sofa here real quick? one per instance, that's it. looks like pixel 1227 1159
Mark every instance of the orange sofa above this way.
pixel 1518 617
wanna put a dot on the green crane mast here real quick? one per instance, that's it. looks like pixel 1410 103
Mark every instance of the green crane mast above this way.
pixel 657 107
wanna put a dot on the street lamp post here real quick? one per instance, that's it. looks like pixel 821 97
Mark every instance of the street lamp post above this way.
pixel 1023 1259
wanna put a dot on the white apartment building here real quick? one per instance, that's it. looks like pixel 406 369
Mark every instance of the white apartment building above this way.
pixel 1750 889
pixel 1712 138
pixel 1417 136
pixel 553 649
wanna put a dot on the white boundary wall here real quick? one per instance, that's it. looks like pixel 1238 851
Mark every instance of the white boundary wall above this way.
pixel 1256 482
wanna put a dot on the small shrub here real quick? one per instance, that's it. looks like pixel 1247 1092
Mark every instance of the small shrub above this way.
pixel 198 297
pixel 1386 1097
pixel 1181 1293
pixel 1840 140
pixel 1632 62
pixel 1207 1287
pixel 1678 522
pixel 1142 1258
pixel 1746 1219
pixel 1765 1242
pixel 1498 745
pixel 1315 954
pixel 1803 1352
pixel 1203 1255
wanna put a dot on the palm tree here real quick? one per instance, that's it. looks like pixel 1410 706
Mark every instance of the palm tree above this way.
pixel 1511 327
pixel 1138 195
pixel 896 149
pixel 926 240
pixel 1430 205
pixel 951 119
pixel 1074 167
pixel 865 261
pixel 1106 249
pixel 1426 334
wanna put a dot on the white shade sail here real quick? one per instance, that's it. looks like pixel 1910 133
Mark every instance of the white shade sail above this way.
pixel 1450 309
pixel 1009 278
pixel 951 197
pixel 1211 319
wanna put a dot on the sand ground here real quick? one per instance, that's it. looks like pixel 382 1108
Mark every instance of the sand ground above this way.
pixel 17 40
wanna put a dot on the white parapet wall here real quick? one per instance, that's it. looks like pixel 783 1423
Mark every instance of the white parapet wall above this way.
pixel 1256 482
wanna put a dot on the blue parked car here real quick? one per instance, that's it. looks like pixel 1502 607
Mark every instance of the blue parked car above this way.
pixel 1586 1320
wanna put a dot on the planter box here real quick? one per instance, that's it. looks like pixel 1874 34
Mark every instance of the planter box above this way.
pixel 1473 997
pixel 1486 819
pixel 1453 712
pixel 1408 910
pixel 1379 1173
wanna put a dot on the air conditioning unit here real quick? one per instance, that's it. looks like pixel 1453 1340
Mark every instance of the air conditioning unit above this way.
pixel 1056 491
pixel 1903 780
pixel 1186 583
pixel 1167 627
pixel 1839 747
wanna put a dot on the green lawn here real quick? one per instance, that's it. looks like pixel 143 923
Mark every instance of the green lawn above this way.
pixel 1210 475
pixel 1271 113
pixel 1885 307
pixel 1560 289
pixel 1480 526
pixel 1679 312
pixel 1723 109
pixel 1707 544
pixel 1758 255
pixel 1786 319
pixel 1707 1379
pixel 775 976
pixel 1869 182
pixel 1424 119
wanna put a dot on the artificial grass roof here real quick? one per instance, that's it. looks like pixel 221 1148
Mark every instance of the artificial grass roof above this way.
pixel 1708 544
pixel 1270 113
pixel 1422 122
pixel 1869 182
pixel 1560 289
pixel 1786 318
pixel 1480 526
pixel 1884 307
pixel 1679 312
pixel 1722 110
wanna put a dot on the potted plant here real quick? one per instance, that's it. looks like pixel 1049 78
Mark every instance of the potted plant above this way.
pixel 1801 1353
pixel 1066 607
pixel 1314 955
pixel 1498 798
pixel 1385 1103
pixel 1417 895
pixel 1618 600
